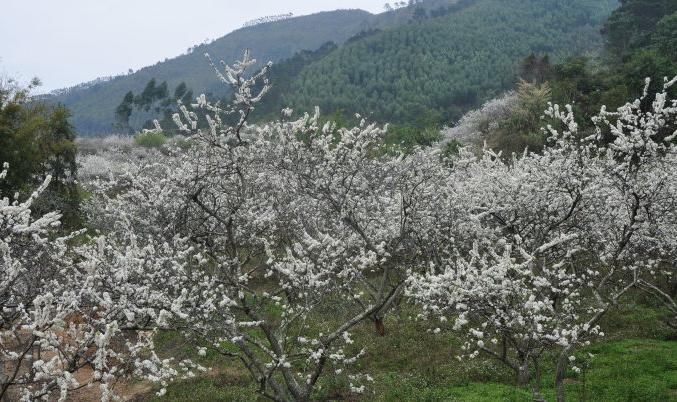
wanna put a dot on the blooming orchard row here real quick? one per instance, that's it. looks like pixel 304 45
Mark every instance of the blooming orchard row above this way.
pixel 268 244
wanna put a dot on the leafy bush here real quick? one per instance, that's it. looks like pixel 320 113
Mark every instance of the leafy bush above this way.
pixel 150 139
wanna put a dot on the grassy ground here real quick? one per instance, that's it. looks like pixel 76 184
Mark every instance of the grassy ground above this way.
pixel 638 363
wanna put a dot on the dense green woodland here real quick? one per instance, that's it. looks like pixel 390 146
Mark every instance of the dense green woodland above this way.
pixel 440 67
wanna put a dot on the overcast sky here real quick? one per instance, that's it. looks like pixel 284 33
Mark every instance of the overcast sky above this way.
pixel 66 42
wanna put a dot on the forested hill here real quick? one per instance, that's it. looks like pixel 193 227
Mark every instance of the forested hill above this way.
pixel 442 63
pixel 93 106
pixel 434 59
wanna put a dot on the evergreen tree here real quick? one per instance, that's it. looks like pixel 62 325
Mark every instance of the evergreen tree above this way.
pixel 665 38
pixel 37 140
pixel 124 111
pixel 153 103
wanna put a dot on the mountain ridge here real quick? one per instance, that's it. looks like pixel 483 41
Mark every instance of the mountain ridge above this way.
pixel 429 29
pixel 93 105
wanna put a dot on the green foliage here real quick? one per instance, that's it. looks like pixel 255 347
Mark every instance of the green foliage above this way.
pixel 151 94
pixel 124 110
pixel 150 139
pixel 641 37
pixel 37 140
pixel 154 101
pixel 641 42
pixel 632 25
pixel 60 150
pixel 522 129
pixel 665 38
pixel 452 148
pixel 281 75
pixel 444 65
pixel 408 136
pixel 535 69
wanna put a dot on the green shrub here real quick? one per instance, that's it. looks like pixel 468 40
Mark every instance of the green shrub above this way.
pixel 150 139
pixel 180 142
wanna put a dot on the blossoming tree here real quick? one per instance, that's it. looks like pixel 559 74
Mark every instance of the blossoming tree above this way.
pixel 63 323
pixel 552 241
pixel 289 224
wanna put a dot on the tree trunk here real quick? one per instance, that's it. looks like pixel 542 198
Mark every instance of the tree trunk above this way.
pixel 537 396
pixel 562 363
pixel 523 374
pixel 380 328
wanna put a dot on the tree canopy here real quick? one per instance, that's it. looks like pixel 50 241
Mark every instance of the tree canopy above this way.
pixel 37 140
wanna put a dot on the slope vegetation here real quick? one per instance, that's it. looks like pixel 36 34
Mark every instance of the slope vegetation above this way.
pixel 93 105
pixel 439 66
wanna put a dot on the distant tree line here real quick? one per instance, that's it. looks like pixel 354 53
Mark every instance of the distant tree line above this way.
pixel 400 4
pixel 267 19
pixel 155 101
pixel 440 69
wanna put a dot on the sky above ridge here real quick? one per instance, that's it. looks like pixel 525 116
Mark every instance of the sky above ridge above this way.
pixel 67 42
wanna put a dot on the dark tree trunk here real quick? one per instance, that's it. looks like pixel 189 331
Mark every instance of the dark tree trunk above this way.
pixel 380 328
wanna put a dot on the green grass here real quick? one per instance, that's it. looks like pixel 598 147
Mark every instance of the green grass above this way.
pixel 209 389
pixel 632 370
pixel 412 364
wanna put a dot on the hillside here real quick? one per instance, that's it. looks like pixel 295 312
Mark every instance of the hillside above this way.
pixel 433 60
pixel 438 66
pixel 93 105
